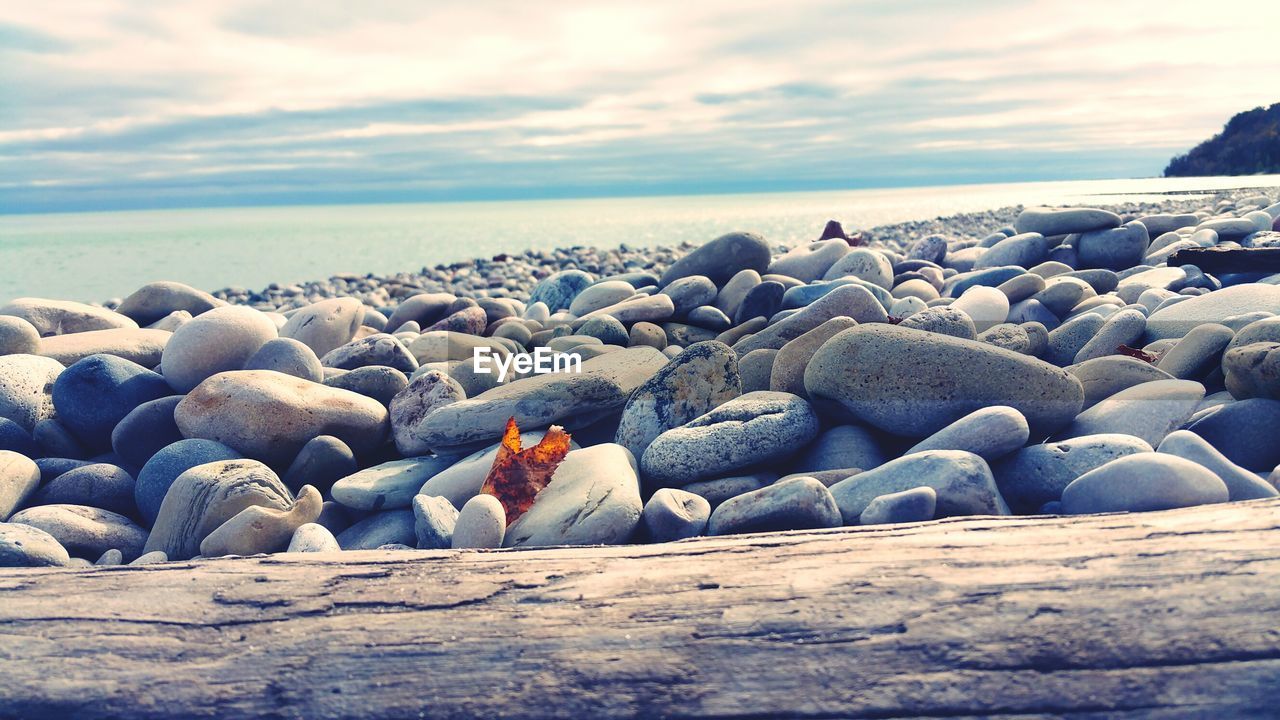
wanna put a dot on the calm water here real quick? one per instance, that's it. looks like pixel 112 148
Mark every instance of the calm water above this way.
pixel 95 256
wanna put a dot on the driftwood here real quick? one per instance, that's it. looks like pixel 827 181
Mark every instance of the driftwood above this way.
pixel 1216 260
pixel 1163 614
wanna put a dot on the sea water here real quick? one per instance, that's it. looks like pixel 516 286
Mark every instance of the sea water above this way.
pixel 101 255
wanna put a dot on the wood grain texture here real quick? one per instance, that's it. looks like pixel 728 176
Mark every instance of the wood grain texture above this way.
pixel 1169 614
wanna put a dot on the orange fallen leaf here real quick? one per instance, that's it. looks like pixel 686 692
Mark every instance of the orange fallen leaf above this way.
pixel 518 475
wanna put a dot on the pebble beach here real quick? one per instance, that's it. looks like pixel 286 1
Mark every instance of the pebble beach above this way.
pixel 1026 360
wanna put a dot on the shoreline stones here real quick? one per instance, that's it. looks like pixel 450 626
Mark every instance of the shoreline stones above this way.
pixel 270 416
pixel 985 363
pixel 751 429
pixel 914 383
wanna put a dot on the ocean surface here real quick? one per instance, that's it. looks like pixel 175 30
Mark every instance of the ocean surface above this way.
pixel 101 255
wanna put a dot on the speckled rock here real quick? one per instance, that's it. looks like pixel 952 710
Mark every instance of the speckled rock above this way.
pixel 865 264
pixel 787 372
pixel 18 337
pixel 914 383
pixel 377 349
pixel 426 393
pixel 558 290
pixel 754 428
pixel 269 416
pixel 942 320
pixel 1253 370
pixel 26 388
pixel 699 379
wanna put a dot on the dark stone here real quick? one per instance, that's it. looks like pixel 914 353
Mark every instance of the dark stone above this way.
pixel 145 430
pixel 166 465
pixel 96 393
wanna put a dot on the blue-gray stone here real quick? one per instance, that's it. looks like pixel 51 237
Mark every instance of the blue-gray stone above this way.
pixel 992 276
pixel 97 392
pixel 320 463
pixel 722 258
pixel 98 485
pixel 673 514
pixel 16 439
pixel 794 504
pixel 1143 482
pixel 962 481
pixel 748 430
pixel 1245 432
pixel 914 505
pixel 145 430
pixel 166 465
pixel 607 329
pixel 763 300
pixel 434 520
pixel 379 382
pixel 559 289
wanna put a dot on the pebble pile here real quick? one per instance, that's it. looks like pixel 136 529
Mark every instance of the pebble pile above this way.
pixel 1031 361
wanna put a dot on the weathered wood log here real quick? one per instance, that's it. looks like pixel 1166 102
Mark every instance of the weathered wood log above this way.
pixel 1215 260
pixel 1159 614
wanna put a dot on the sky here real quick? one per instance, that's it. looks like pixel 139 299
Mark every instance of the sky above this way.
pixel 121 104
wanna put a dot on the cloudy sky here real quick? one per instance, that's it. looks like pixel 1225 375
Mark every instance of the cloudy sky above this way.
pixel 109 104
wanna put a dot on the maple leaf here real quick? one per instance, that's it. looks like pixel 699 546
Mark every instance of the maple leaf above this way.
pixel 518 475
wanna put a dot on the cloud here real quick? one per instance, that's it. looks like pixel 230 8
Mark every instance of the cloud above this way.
pixel 119 103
